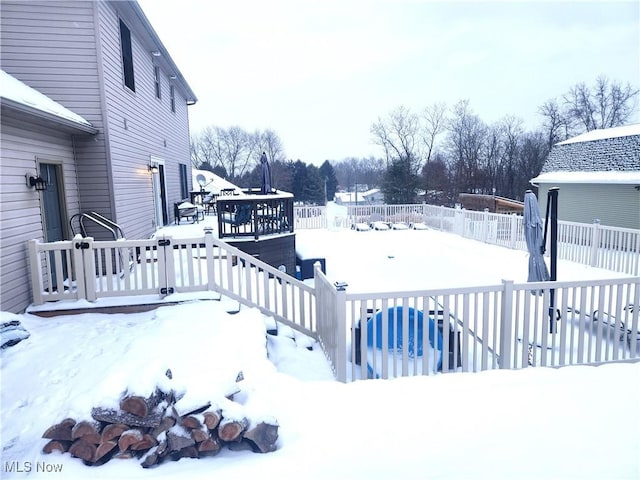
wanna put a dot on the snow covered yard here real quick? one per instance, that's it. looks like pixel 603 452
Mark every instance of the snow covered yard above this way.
pixel 574 422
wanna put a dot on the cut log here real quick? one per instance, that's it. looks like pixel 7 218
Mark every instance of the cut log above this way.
pixel 60 431
pixel 145 444
pixel 190 422
pixel 240 445
pixel 113 430
pixel 56 446
pixel 199 435
pixel 210 446
pixel 180 410
pixel 128 438
pixel 88 431
pixel 179 438
pixel 186 452
pixel 230 430
pixel 150 459
pixel 81 449
pixel 165 424
pixel 142 406
pixel 263 437
pixel 212 418
pixel 103 449
pixel 123 455
pixel 110 415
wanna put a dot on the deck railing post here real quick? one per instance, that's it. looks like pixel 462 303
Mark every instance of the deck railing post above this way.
pixel 595 242
pixel 208 245
pixel 341 335
pixel 78 267
pixel 506 318
pixel 89 266
pixel 35 267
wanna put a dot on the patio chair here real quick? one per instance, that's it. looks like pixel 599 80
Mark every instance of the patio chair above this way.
pixel 241 216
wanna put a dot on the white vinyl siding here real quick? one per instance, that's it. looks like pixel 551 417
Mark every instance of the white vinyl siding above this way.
pixel 20 214
pixel 152 131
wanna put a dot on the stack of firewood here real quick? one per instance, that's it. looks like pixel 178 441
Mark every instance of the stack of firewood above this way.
pixel 152 429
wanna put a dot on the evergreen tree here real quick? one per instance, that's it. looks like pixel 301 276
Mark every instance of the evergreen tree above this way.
pixel 329 179
pixel 399 184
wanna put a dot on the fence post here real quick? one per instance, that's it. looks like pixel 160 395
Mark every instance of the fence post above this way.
pixel 341 335
pixel 506 318
pixel 89 267
pixel 514 230
pixel 208 245
pixel 35 267
pixel 442 210
pixel 78 267
pixel 485 225
pixel 595 242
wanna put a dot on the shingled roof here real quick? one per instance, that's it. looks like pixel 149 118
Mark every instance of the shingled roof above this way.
pixel 607 150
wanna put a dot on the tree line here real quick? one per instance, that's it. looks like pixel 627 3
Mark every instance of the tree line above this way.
pixel 432 155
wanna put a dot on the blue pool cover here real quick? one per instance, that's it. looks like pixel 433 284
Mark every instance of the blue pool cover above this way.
pixel 395 329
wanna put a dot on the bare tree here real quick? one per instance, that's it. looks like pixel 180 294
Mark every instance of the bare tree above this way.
pixel 434 123
pixel 398 135
pixel 556 123
pixel 608 104
pixel 465 142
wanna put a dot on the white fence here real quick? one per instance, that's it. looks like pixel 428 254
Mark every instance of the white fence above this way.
pixel 84 269
pixel 611 248
pixel 382 334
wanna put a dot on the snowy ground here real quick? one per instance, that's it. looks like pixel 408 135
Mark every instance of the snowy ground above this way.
pixel 575 422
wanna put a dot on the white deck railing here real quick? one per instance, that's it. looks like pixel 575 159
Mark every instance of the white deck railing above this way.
pixel 612 248
pixel 90 270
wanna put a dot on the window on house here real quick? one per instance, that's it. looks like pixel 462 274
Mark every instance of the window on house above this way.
pixel 127 56
pixel 156 78
pixel 172 94
pixel 184 185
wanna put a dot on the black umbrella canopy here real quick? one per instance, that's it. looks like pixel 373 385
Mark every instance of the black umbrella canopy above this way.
pixel 266 174
pixel 533 235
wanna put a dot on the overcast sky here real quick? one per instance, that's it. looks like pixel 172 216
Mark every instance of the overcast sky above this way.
pixel 320 73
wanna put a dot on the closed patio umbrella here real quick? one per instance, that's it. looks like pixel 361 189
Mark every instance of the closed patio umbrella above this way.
pixel 533 235
pixel 266 175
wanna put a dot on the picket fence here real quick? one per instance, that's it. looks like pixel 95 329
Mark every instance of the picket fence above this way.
pixel 612 248
pixel 383 334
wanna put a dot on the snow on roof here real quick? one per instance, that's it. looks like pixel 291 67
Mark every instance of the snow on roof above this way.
pixel 604 133
pixel 617 177
pixel 13 89
pixel 214 183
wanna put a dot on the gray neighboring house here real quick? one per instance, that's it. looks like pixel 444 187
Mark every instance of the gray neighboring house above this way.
pixel 104 103
pixel 598 174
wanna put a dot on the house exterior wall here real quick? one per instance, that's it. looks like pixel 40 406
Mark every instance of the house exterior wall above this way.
pixel 140 126
pixel 52 47
pixel 70 51
pixel 22 146
pixel 615 205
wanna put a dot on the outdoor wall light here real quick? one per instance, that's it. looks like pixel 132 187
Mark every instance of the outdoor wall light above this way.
pixel 172 77
pixel 156 53
pixel 153 169
pixel 38 182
